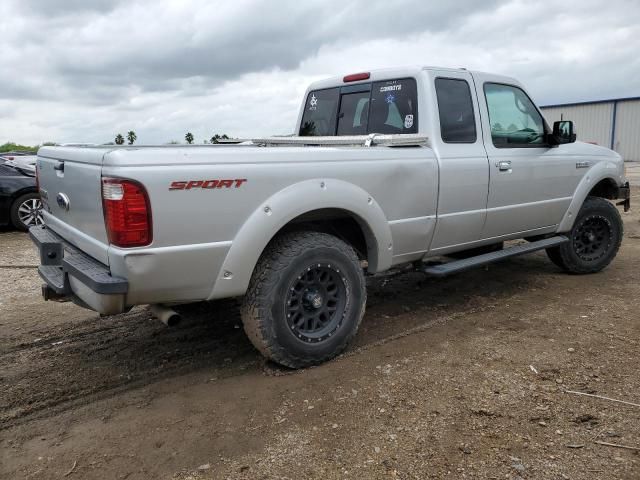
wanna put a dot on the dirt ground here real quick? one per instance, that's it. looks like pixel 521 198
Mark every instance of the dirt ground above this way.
pixel 465 377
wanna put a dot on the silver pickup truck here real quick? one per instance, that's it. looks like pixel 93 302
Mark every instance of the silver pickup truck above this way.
pixel 386 168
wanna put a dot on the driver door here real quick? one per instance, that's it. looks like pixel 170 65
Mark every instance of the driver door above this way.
pixel 528 182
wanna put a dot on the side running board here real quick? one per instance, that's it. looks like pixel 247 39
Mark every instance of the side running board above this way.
pixel 469 263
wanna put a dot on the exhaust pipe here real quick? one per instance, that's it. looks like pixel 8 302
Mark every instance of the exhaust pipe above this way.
pixel 166 315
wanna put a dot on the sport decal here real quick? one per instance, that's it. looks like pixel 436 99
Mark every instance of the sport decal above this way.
pixel 207 184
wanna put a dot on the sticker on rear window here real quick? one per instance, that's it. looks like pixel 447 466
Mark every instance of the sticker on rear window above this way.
pixel 313 102
pixel 391 88
pixel 408 121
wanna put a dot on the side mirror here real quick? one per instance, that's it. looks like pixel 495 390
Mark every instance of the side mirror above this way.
pixel 562 133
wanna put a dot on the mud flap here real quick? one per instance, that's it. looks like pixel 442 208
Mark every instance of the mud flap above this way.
pixel 624 193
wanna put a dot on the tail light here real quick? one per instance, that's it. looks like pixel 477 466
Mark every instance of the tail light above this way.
pixel 37 179
pixel 127 212
pixel 354 77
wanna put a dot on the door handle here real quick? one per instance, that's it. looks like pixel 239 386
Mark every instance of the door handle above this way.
pixel 504 165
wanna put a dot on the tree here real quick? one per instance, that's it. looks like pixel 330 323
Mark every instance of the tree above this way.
pixel 216 138
pixel 119 139
pixel 11 146
pixel 189 138
pixel 131 136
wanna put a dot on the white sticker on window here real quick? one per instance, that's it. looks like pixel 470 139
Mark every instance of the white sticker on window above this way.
pixel 408 121
pixel 391 88
pixel 313 102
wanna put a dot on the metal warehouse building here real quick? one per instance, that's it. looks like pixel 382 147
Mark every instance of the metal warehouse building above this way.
pixel 611 123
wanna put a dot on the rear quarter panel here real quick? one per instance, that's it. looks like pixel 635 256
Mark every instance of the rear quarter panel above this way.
pixel 196 229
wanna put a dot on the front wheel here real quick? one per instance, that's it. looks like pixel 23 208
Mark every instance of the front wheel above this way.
pixel 305 300
pixel 594 239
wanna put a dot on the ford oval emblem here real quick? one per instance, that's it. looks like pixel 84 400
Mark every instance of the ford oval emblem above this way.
pixel 63 201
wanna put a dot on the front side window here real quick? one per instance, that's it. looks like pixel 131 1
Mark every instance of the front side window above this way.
pixel 385 107
pixel 457 122
pixel 514 119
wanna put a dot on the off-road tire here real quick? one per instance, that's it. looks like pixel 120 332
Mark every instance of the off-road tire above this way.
pixel 287 263
pixel 599 219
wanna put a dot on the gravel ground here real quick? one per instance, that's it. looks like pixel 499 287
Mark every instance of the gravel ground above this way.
pixel 464 377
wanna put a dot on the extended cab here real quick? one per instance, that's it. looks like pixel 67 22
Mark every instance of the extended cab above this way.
pixel 385 168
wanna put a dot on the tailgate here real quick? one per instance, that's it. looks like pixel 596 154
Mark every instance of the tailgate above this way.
pixel 71 190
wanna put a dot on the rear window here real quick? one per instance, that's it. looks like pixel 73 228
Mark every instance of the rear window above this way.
pixel 320 113
pixel 385 107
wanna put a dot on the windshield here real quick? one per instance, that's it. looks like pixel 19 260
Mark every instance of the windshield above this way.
pixel 385 107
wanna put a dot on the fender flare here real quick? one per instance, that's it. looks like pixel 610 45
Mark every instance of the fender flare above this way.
pixel 287 204
pixel 600 171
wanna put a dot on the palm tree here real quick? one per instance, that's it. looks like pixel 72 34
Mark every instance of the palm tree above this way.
pixel 119 139
pixel 131 136
pixel 216 138
pixel 189 138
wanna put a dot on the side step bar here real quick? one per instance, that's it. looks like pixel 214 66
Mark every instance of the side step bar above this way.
pixel 469 263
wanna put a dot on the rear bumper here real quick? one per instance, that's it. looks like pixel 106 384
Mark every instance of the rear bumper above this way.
pixel 70 274
pixel 624 193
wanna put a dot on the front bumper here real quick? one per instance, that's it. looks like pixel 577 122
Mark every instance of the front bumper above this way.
pixel 70 274
pixel 624 193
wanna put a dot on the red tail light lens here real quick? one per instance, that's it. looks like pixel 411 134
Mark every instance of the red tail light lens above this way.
pixel 127 212
pixel 37 178
pixel 354 77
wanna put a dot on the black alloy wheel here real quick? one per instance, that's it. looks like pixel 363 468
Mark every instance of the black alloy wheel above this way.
pixel 315 303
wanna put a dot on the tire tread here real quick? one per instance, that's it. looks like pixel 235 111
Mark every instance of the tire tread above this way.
pixel 255 309
pixel 562 255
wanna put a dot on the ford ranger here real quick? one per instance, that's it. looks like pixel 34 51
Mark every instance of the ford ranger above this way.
pixel 386 168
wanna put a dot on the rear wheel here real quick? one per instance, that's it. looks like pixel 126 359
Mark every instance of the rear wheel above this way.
pixel 594 239
pixel 305 300
pixel 26 211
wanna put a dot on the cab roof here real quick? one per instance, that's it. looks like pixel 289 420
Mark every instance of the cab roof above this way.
pixel 400 72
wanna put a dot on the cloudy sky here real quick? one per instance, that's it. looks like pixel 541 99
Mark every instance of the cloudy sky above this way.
pixel 84 70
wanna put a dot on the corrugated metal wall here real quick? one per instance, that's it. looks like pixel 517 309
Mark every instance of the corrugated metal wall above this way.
pixel 595 122
pixel 591 121
pixel 627 136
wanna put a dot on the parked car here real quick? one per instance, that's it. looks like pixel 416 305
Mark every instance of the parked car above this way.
pixel 388 168
pixel 20 203
pixel 25 159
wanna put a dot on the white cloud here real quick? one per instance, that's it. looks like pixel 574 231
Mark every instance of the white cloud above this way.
pixel 88 70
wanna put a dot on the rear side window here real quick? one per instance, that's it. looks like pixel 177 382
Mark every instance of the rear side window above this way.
pixel 457 122
pixel 381 107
